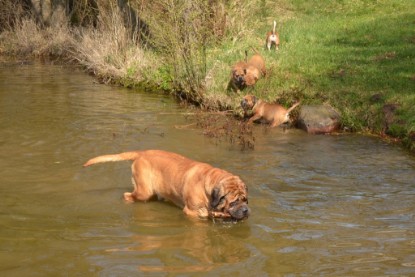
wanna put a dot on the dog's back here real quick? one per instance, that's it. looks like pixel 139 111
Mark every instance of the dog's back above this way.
pixel 257 61
pixel 282 115
pixel 275 114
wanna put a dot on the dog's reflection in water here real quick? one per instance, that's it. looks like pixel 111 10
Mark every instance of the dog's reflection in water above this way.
pixel 200 247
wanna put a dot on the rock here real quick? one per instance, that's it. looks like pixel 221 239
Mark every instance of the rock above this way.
pixel 318 119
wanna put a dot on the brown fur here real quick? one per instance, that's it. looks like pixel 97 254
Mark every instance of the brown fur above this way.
pixel 257 61
pixel 246 74
pixel 274 114
pixel 200 189
pixel 238 75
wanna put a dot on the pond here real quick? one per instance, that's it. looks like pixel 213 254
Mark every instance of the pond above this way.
pixel 320 205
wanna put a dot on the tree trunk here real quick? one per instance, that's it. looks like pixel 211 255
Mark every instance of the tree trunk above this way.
pixel 50 12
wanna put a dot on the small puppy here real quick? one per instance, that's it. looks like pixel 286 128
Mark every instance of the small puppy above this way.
pixel 274 114
pixel 273 38
pixel 238 72
pixel 247 73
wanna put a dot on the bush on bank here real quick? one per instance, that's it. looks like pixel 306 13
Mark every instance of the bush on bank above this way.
pixel 357 56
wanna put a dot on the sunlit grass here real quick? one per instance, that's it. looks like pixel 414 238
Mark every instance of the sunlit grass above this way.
pixel 344 53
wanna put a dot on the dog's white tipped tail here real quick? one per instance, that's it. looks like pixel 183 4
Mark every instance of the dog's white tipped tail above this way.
pixel 112 158
pixel 293 107
pixel 273 29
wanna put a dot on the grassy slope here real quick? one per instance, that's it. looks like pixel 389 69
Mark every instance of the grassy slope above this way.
pixel 336 52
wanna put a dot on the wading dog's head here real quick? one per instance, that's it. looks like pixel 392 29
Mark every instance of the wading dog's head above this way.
pixel 248 102
pixel 229 199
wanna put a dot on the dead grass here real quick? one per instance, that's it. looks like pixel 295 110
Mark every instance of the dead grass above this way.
pixel 27 38
pixel 109 50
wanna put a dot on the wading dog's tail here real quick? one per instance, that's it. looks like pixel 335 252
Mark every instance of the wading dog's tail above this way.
pixel 287 114
pixel 126 156
pixel 273 29
pixel 293 107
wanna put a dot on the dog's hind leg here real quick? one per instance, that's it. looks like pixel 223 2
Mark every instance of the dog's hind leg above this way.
pixel 128 197
pixel 140 193
pixel 269 45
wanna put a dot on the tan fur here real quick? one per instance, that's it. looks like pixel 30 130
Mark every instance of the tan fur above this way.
pixel 273 38
pixel 200 189
pixel 246 74
pixel 238 73
pixel 252 75
pixel 258 62
pixel 274 114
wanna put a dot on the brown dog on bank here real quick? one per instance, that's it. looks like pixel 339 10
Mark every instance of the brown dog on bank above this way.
pixel 247 73
pixel 200 189
pixel 255 69
pixel 273 38
pixel 274 114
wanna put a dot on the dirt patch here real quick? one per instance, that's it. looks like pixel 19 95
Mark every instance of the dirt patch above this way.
pixel 385 56
pixel 221 126
pixel 392 126
pixel 389 113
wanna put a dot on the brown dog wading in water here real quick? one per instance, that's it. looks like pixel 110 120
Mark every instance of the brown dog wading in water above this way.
pixel 273 38
pixel 247 73
pixel 200 189
pixel 274 114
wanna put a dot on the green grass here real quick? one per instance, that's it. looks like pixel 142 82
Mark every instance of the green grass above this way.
pixel 343 53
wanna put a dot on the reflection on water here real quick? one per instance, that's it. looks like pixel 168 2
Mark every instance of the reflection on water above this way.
pixel 321 205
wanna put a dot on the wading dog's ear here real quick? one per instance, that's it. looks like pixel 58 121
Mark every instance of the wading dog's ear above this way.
pixel 216 198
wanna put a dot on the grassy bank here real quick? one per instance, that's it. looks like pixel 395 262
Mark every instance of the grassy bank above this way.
pixel 357 55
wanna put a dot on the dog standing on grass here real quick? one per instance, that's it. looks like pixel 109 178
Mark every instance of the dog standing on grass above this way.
pixel 247 73
pixel 274 114
pixel 273 38
pixel 255 69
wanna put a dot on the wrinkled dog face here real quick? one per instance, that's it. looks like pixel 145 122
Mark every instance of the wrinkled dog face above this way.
pixel 231 197
pixel 248 102
pixel 239 77
pixel 238 74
